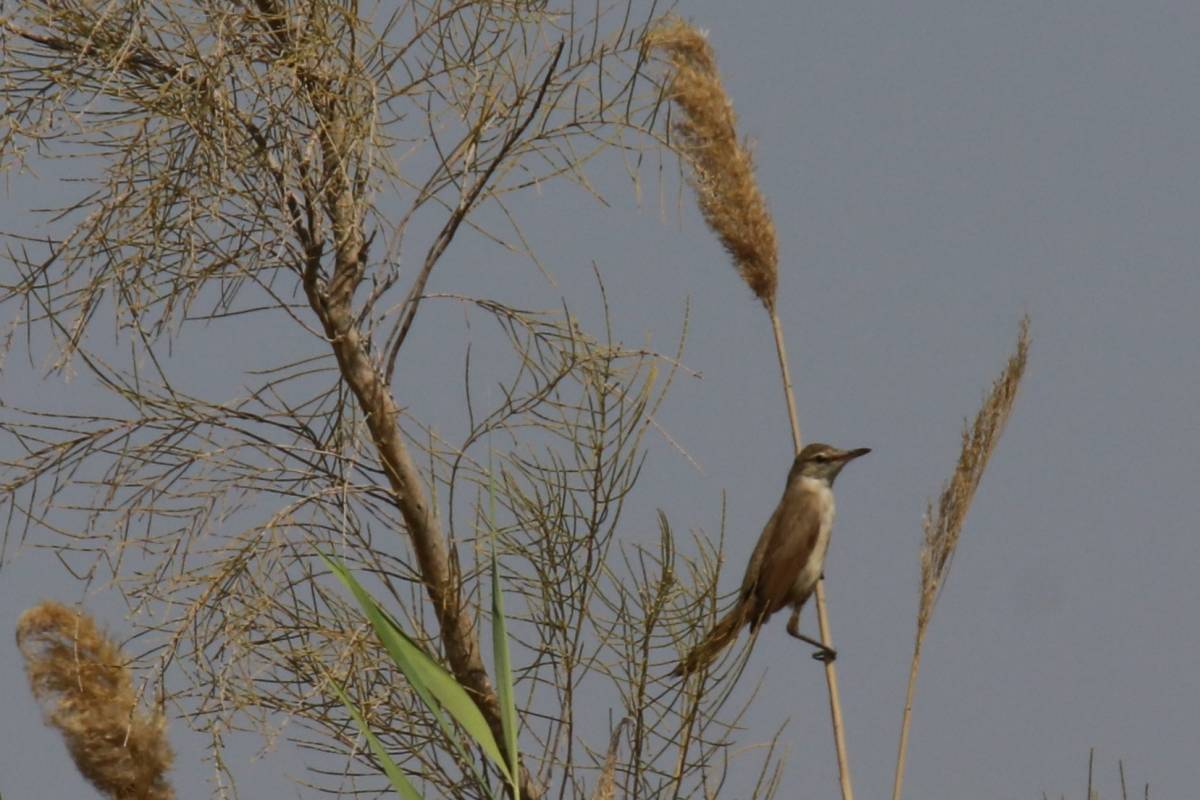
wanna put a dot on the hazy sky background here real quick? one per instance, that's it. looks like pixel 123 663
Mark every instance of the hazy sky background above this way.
pixel 936 169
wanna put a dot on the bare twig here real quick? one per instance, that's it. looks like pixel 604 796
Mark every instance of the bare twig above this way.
pixel 465 204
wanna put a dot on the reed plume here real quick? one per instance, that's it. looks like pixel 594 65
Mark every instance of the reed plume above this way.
pixel 722 167
pixel 607 785
pixel 943 523
pixel 722 173
pixel 80 678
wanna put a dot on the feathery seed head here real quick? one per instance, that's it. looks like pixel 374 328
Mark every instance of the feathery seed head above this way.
pixel 81 679
pixel 722 167
pixel 943 523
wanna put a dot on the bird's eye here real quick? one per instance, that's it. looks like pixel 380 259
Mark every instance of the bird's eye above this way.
pixel 820 457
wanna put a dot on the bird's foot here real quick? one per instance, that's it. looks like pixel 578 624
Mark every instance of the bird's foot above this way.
pixel 826 655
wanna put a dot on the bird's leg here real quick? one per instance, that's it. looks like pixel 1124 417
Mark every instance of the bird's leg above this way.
pixel 824 654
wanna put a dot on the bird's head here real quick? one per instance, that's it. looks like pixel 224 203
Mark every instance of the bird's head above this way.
pixel 823 461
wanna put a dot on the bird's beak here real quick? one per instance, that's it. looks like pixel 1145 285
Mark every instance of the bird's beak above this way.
pixel 850 455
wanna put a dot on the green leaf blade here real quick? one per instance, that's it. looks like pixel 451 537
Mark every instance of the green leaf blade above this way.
pixel 500 652
pixel 397 778
pixel 432 682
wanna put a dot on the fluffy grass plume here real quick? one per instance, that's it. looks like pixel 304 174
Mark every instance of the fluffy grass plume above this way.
pixel 722 167
pixel 606 786
pixel 943 524
pixel 81 680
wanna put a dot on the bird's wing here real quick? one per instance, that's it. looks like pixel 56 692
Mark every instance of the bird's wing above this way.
pixel 784 548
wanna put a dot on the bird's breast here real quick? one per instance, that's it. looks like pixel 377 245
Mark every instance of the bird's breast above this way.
pixel 820 496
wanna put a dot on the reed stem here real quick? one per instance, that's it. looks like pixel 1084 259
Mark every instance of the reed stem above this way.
pixel 909 694
pixel 831 679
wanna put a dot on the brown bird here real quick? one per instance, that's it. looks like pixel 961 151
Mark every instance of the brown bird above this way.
pixel 788 559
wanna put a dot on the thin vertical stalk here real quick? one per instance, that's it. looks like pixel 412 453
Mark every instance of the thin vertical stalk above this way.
pixel 786 375
pixel 831 679
pixel 898 783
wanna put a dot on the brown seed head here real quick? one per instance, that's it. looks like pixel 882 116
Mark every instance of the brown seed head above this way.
pixel 82 681
pixel 944 523
pixel 722 168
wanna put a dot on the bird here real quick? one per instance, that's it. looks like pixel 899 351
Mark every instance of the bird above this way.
pixel 789 558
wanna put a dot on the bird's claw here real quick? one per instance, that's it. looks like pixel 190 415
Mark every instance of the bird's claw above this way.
pixel 826 656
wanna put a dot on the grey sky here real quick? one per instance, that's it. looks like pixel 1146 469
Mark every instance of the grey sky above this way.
pixel 936 170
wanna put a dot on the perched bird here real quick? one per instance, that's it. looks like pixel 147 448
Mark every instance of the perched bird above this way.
pixel 788 559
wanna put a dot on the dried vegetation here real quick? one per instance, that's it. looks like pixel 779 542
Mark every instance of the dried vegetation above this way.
pixel 308 167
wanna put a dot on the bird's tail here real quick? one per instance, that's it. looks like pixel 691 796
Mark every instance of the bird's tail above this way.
pixel 716 640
